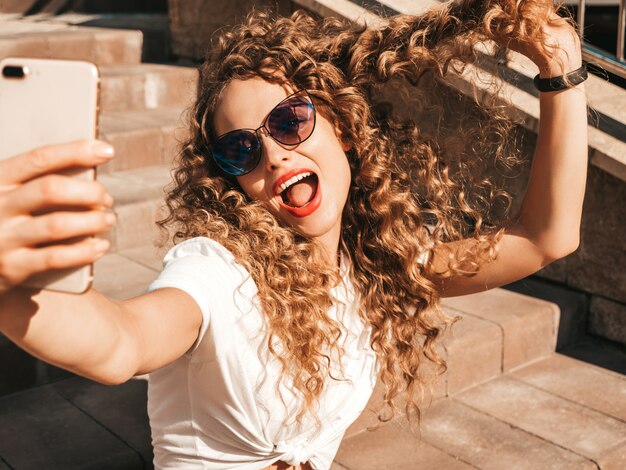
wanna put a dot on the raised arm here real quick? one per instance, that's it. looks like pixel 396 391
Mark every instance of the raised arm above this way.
pixel 88 334
pixel 548 224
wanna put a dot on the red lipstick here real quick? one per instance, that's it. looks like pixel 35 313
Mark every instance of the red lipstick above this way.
pixel 310 206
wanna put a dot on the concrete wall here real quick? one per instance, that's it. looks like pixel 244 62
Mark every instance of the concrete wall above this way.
pixel 598 267
pixel 193 22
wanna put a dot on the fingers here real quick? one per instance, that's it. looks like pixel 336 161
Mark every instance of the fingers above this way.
pixel 28 261
pixel 57 226
pixel 56 190
pixel 53 158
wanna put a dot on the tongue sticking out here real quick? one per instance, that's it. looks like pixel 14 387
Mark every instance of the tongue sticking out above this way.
pixel 299 194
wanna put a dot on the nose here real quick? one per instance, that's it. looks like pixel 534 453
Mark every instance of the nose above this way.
pixel 274 154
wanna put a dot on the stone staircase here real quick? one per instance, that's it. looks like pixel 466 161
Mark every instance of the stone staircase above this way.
pixel 507 401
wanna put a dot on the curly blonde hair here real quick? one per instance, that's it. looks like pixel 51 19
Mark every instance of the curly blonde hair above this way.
pixel 405 177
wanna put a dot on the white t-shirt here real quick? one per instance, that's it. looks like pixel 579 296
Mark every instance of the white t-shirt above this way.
pixel 219 406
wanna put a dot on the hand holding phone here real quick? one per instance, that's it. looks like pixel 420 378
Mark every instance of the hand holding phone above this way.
pixel 49 199
pixel 35 239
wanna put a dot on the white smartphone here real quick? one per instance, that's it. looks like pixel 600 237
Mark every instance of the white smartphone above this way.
pixel 44 102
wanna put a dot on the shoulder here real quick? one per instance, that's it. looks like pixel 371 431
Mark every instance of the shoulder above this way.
pixel 198 247
pixel 201 262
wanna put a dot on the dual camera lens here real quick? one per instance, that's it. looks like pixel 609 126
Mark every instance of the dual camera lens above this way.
pixel 14 71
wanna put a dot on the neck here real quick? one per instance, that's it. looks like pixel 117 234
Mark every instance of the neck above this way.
pixel 330 244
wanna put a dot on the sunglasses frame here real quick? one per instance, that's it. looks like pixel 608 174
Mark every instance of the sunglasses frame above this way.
pixel 255 132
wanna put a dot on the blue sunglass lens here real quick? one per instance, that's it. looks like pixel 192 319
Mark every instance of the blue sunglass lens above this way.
pixel 237 153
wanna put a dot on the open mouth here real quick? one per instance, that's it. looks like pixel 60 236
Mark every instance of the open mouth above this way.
pixel 299 191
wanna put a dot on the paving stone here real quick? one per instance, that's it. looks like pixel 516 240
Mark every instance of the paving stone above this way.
pixel 22 6
pixel 72 44
pixel 122 47
pixel 599 352
pixel 120 278
pixel 135 225
pixel 100 46
pixel 608 319
pixel 149 256
pixel 146 86
pixel 528 325
pixel 141 138
pixel 602 240
pixel 138 204
pixel 574 427
pixel 134 148
pixel 135 185
pixel 193 23
pixel 573 306
pixel 393 446
pixel 34 46
pixel 490 444
pixel 40 429
pixel 20 371
pixel 121 409
pixel 578 382
pixel 474 353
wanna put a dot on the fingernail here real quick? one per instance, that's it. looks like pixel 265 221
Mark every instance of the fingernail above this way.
pixel 109 218
pixel 101 245
pixel 105 150
pixel 108 200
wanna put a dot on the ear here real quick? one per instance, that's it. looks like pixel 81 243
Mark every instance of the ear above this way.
pixel 345 144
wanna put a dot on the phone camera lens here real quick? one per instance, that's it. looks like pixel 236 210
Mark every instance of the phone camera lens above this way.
pixel 13 71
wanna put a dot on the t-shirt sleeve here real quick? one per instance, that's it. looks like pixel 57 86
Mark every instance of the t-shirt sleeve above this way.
pixel 193 266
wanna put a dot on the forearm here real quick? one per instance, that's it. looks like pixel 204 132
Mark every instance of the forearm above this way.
pixel 86 334
pixel 551 212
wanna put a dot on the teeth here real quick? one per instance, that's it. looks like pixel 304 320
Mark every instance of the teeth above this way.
pixel 293 180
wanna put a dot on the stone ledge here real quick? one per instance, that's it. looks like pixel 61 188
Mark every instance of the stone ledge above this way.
pixel 138 204
pixel 51 40
pixel 143 137
pixel 529 326
pixel 146 86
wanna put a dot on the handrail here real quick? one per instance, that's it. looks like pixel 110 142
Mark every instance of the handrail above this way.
pixel 611 63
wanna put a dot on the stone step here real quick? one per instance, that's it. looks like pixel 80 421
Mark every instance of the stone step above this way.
pixel 142 137
pixel 497 331
pixel 547 414
pixel 138 204
pixel 146 86
pixel 102 46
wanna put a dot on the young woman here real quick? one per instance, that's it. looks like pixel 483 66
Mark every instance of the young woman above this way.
pixel 305 268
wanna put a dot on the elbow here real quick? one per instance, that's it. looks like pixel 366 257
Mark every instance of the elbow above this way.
pixel 109 376
pixel 563 248
pixel 120 365
pixel 113 379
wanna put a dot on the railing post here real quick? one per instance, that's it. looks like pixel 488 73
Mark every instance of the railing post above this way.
pixel 581 18
pixel 621 21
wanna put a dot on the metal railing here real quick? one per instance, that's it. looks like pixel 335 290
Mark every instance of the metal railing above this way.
pixel 611 63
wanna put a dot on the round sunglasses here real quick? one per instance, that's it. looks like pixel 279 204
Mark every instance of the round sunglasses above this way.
pixel 290 122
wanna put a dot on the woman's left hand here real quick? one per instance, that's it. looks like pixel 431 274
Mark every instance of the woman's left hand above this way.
pixel 560 44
